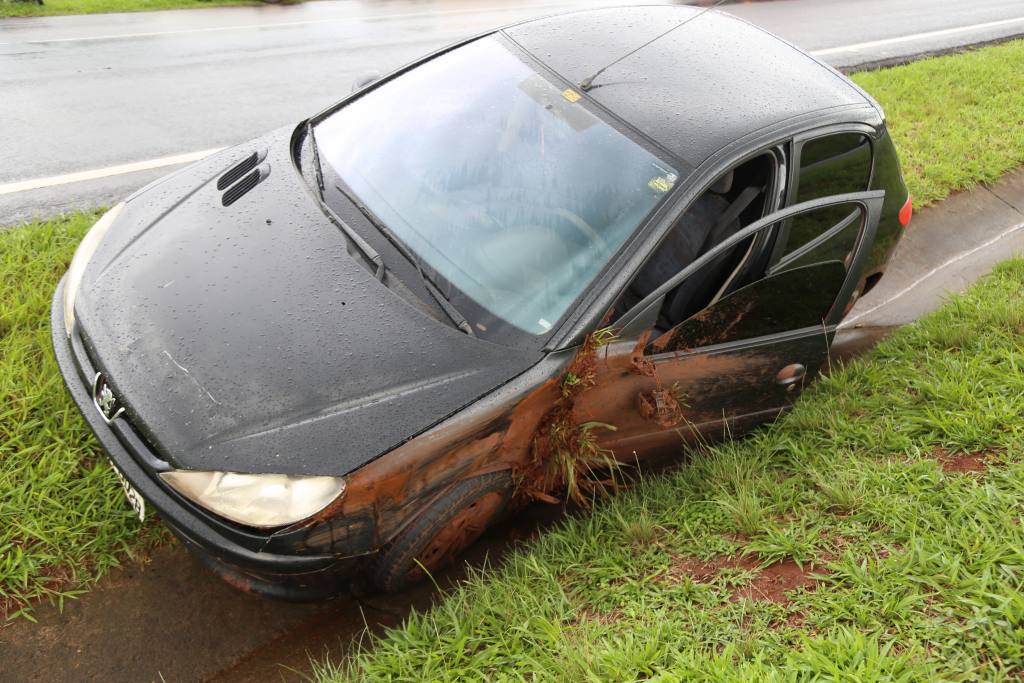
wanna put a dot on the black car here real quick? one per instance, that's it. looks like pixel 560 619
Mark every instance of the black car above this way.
pixel 346 347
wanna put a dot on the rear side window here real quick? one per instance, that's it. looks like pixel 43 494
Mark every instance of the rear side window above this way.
pixel 834 164
pixel 829 165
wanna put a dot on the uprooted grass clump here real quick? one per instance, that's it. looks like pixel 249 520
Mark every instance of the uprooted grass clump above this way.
pixel 63 517
pixel 872 534
pixel 564 454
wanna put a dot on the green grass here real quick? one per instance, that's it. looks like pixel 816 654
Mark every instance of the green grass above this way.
pixel 922 568
pixel 10 8
pixel 63 521
pixel 956 120
pixel 63 517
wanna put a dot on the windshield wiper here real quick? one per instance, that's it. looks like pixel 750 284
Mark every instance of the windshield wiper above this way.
pixel 317 171
pixel 369 252
pixel 428 283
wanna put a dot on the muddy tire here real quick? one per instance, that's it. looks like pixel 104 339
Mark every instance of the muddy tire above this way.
pixel 440 533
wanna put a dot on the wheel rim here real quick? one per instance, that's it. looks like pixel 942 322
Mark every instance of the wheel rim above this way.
pixel 455 536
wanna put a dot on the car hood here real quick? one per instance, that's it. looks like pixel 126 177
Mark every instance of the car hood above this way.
pixel 246 338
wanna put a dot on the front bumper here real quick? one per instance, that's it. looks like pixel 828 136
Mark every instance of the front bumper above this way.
pixel 244 558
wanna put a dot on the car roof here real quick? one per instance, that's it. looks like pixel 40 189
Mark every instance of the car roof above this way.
pixel 695 90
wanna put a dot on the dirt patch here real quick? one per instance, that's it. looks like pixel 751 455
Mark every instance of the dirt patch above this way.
pixel 962 463
pixel 773 582
pixel 768 584
pixel 705 571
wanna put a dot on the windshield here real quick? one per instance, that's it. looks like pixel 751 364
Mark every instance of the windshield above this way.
pixel 500 181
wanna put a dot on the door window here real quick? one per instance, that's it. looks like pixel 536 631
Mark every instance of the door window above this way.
pixel 794 299
pixel 746 353
pixel 798 292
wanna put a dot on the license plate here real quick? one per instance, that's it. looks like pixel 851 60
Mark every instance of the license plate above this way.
pixel 133 496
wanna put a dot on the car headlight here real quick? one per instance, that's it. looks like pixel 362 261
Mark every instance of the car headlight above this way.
pixel 258 500
pixel 83 255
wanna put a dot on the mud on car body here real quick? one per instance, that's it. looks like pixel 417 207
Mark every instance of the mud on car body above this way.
pixel 346 347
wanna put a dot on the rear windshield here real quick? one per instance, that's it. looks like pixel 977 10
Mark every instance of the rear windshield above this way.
pixel 500 181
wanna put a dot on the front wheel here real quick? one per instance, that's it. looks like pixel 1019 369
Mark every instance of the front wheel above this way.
pixel 440 533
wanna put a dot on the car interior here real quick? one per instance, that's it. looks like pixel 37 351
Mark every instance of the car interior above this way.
pixel 737 199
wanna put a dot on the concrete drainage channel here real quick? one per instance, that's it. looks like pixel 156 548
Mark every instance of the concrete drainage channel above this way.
pixel 169 619
pixel 946 248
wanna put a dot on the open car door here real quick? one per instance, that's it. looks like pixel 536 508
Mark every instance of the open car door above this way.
pixel 746 355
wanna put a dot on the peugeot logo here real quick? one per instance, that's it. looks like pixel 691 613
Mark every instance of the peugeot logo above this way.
pixel 104 400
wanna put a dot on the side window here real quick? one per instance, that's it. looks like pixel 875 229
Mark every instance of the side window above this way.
pixel 794 299
pixel 735 200
pixel 833 164
pixel 797 293
pixel 829 165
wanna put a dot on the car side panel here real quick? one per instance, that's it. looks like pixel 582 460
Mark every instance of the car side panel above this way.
pixel 887 176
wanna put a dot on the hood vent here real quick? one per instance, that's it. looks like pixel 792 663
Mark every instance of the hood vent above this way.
pixel 238 170
pixel 242 177
pixel 240 188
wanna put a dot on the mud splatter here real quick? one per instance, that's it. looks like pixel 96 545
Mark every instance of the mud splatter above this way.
pixel 564 453
pixel 661 407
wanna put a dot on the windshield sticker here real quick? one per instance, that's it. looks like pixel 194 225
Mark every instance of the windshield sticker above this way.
pixel 571 95
pixel 545 324
pixel 662 183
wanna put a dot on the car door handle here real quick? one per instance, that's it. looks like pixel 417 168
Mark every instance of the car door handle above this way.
pixel 790 375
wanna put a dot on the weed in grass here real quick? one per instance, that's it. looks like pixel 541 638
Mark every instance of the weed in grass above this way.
pixel 842 490
pixel 745 508
pixel 795 541
pixel 640 529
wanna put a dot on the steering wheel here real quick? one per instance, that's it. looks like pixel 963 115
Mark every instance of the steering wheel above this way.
pixel 582 227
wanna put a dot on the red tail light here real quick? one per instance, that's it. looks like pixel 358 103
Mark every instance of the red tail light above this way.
pixel 906 212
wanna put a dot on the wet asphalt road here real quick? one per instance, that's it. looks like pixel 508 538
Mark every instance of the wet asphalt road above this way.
pixel 86 93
